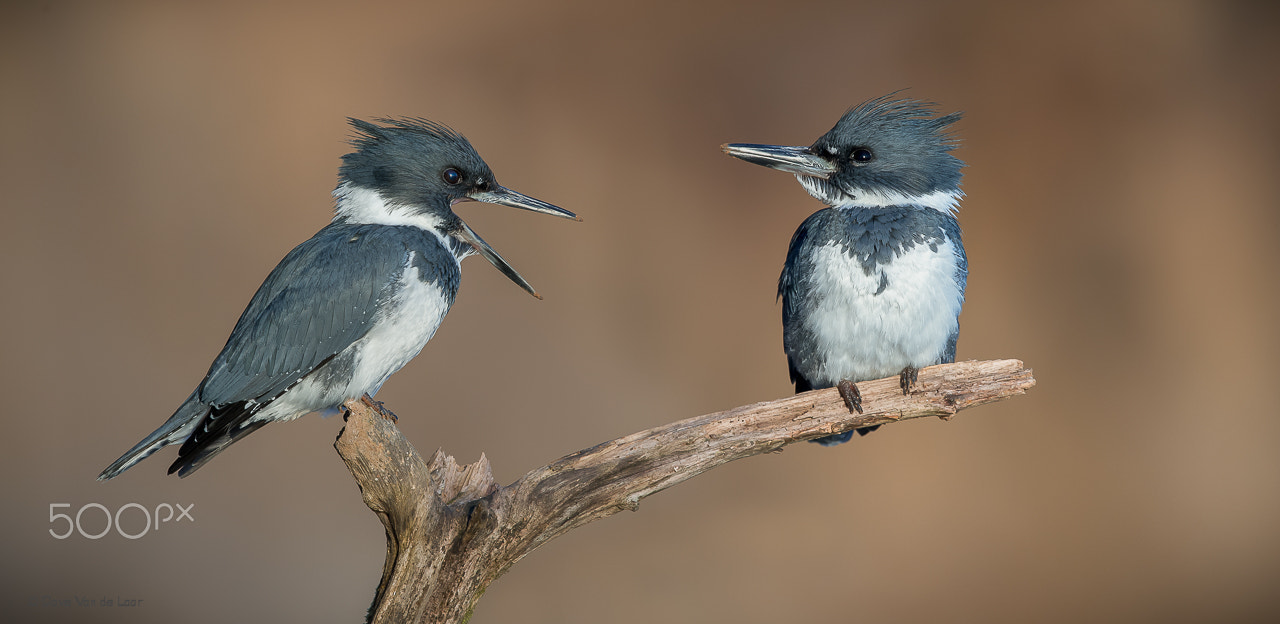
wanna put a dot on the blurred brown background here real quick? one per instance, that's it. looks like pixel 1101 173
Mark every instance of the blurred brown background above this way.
pixel 159 158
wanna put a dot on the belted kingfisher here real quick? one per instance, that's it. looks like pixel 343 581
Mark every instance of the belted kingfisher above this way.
pixel 353 304
pixel 873 285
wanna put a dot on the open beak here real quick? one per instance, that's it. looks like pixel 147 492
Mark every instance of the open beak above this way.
pixel 797 160
pixel 507 197
pixel 504 196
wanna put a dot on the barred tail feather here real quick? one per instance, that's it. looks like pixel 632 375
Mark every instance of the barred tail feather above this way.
pixel 191 458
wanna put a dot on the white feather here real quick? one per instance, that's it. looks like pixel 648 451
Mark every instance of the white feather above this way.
pixel 943 201
pixel 869 336
pixel 362 205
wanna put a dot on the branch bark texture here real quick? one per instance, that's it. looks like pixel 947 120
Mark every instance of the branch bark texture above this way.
pixel 451 530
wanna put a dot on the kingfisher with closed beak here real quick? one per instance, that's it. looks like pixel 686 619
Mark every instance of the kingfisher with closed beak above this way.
pixel 873 284
pixel 353 304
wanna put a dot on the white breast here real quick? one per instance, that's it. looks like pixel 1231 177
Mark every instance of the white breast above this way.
pixel 401 328
pixel 867 335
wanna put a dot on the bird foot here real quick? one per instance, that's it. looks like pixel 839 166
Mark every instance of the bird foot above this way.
pixel 907 379
pixel 379 407
pixel 852 397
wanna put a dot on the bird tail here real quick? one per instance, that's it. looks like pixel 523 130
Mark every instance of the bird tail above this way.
pixel 173 431
pixel 196 452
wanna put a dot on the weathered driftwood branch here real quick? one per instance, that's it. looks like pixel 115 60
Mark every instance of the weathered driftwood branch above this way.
pixel 451 530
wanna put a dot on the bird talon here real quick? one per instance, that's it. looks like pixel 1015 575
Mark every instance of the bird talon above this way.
pixel 385 413
pixel 851 395
pixel 380 408
pixel 908 378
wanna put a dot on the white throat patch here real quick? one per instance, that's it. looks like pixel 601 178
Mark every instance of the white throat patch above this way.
pixel 362 205
pixel 945 202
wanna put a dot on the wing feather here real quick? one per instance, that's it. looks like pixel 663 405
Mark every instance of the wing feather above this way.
pixel 304 313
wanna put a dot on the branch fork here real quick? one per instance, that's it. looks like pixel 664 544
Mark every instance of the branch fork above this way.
pixel 452 530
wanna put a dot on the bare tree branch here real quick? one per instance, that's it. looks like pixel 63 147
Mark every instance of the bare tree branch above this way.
pixel 451 530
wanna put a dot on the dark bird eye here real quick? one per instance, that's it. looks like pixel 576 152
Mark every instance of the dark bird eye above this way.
pixel 451 176
pixel 862 155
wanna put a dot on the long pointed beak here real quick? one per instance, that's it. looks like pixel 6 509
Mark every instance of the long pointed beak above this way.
pixel 504 196
pixel 469 236
pixel 797 160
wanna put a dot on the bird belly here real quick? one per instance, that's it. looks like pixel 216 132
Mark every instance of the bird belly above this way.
pixel 401 328
pixel 867 326
pixel 399 334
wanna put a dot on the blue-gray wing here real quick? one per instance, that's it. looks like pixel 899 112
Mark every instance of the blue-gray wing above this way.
pixel 318 301
pixel 792 286
pixel 952 229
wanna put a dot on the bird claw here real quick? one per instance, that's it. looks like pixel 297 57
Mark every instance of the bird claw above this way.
pixel 907 379
pixel 852 397
pixel 381 408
